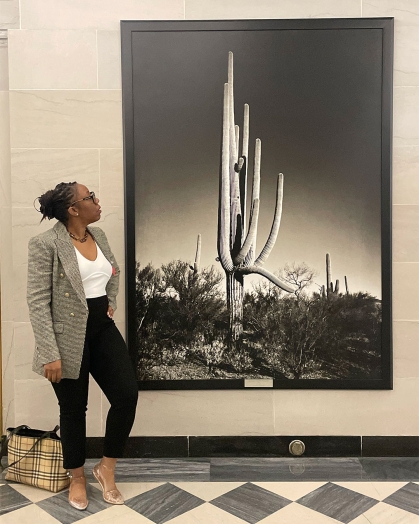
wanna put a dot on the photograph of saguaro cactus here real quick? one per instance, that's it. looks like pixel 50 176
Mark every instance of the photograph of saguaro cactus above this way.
pixel 257 191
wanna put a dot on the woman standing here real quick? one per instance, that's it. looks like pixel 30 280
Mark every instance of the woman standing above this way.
pixel 73 282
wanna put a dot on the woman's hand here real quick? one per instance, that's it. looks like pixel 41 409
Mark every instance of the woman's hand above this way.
pixel 110 312
pixel 52 371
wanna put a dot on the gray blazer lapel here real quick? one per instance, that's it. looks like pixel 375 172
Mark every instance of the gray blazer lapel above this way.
pixel 68 258
pixel 102 243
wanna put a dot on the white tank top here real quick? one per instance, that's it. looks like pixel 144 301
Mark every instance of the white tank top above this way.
pixel 95 274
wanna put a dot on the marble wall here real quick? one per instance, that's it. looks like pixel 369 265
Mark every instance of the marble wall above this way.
pixel 61 87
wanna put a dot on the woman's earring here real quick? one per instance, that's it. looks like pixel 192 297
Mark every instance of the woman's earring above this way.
pixel 77 214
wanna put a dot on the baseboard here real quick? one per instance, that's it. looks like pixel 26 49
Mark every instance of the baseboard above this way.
pixel 258 446
pixel 390 446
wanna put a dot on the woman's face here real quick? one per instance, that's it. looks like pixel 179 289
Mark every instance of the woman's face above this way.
pixel 85 205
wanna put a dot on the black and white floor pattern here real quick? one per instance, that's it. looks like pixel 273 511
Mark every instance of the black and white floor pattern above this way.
pixel 233 491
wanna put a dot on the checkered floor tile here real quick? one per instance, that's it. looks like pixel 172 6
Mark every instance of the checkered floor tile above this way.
pixel 250 503
pixel 406 498
pixel 164 503
pixel 394 501
pixel 11 499
pixel 337 502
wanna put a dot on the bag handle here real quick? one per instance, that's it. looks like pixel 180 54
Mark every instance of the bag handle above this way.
pixel 5 439
pixel 16 430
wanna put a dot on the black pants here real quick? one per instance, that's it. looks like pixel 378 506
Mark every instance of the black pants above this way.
pixel 106 357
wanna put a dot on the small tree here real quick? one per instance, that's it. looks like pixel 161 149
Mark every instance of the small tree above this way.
pixel 300 276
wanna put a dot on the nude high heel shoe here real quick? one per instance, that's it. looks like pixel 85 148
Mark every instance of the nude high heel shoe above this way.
pixel 78 502
pixel 112 496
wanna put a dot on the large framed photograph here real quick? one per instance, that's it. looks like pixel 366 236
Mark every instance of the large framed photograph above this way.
pixel 258 202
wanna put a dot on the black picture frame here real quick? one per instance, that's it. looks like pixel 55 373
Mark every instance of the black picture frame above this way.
pixel 386 26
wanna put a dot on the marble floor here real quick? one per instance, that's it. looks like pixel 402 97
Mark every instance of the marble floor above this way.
pixel 233 491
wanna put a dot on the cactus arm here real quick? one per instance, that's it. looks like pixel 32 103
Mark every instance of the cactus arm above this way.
pixel 256 174
pixel 245 146
pixel 197 255
pixel 237 190
pixel 238 164
pixel 250 258
pixel 276 223
pixel 232 127
pixel 328 273
pixel 235 210
pixel 251 233
pixel 267 274
pixel 346 285
pixel 337 287
pixel 237 137
pixel 224 217
pixel 243 169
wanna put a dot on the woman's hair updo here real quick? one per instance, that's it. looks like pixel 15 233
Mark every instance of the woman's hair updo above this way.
pixel 55 202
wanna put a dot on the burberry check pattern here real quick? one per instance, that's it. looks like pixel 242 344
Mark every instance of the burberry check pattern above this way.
pixel 41 467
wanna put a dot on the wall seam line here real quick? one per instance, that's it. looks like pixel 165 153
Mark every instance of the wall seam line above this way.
pixel 24 89
pixel 97 64
pixel 100 174
pixel 58 148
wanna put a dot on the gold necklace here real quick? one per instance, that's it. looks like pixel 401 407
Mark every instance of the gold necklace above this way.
pixel 83 239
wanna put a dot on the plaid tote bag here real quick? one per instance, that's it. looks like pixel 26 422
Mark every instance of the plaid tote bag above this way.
pixel 35 457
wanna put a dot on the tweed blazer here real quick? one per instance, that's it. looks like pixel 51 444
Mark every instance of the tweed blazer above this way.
pixel 57 303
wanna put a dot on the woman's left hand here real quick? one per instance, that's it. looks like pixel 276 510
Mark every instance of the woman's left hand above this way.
pixel 110 312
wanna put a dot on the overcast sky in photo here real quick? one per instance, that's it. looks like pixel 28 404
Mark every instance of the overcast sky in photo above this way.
pixel 315 104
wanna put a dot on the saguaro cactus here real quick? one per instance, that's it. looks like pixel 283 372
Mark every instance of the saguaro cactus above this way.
pixel 195 267
pixel 236 247
pixel 329 283
pixel 331 290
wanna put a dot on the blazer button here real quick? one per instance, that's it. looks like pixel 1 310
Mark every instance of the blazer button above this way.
pixel 71 314
pixel 62 275
pixel 67 295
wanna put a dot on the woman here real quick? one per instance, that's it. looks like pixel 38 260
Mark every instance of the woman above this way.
pixel 72 286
